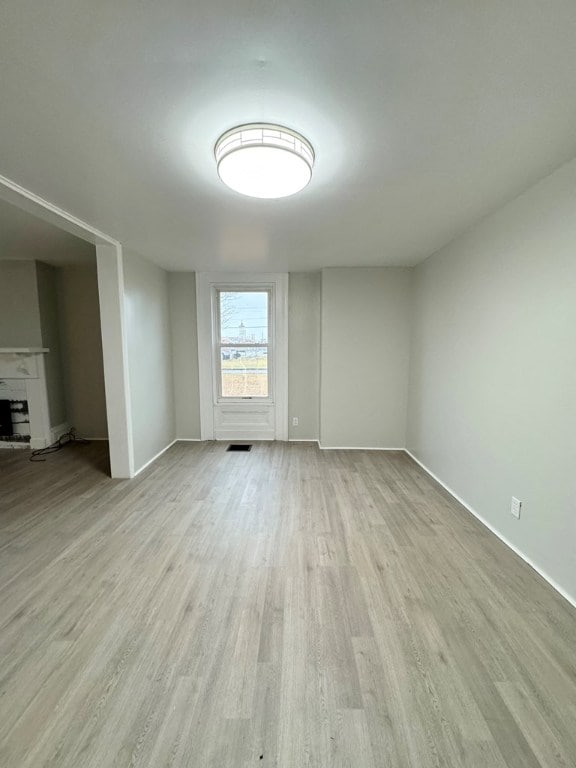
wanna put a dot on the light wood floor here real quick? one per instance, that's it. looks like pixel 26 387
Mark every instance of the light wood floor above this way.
pixel 285 607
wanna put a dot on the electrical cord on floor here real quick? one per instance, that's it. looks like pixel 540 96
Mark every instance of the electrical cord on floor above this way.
pixel 67 437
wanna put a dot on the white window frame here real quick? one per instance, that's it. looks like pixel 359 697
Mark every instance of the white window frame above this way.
pixel 277 282
pixel 218 346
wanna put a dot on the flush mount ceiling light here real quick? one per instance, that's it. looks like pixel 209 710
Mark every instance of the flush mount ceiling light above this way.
pixel 263 160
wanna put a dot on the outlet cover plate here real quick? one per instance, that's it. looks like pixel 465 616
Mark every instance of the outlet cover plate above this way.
pixel 516 507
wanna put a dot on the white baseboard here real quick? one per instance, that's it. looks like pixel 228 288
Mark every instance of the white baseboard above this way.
pixel 497 533
pixel 300 440
pixel 57 431
pixel 341 447
pixel 356 448
pixel 37 443
pixel 153 459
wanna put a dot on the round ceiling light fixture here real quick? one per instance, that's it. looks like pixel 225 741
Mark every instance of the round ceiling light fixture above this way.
pixel 264 160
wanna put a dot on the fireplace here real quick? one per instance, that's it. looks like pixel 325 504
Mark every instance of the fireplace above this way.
pixel 24 414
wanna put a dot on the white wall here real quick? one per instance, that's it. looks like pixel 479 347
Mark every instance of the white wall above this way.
pixel 182 289
pixel 19 309
pixel 365 339
pixel 147 317
pixel 304 354
pixel 50 328
pixel 81 348
pixel 493 373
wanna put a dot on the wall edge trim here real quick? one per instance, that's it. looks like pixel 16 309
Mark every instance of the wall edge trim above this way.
pixel 57 431
pixel 554 584
pixel 359 448
pixel 153 459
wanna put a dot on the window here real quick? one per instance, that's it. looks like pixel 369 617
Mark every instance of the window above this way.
pixel 243 353
pixel 251 401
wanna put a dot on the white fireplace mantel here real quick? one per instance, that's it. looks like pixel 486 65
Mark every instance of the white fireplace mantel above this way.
pixel 28 363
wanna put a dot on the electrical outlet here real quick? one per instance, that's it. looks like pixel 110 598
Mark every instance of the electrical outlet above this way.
pixel 294 421
pixel 516 507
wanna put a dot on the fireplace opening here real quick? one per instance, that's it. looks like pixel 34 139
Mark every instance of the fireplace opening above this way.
pixel 5 419
pixel 14 421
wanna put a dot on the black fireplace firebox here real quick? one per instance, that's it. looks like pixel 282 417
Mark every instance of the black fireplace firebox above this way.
pixel 5 418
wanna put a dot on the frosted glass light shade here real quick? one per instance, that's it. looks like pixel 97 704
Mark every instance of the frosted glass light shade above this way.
pixel 262 160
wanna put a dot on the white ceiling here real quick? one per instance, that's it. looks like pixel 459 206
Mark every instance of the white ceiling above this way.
pixel 424 117
pixel 24 236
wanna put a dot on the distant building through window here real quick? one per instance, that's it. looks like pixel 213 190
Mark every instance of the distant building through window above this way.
pixel 243 344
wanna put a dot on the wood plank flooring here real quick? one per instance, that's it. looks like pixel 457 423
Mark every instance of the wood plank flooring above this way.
pixel 284 607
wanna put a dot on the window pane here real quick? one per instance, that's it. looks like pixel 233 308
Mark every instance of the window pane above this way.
pixel 244 371
pixel 243 317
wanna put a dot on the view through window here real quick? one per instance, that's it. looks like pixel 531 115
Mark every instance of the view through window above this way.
pixel 243 343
